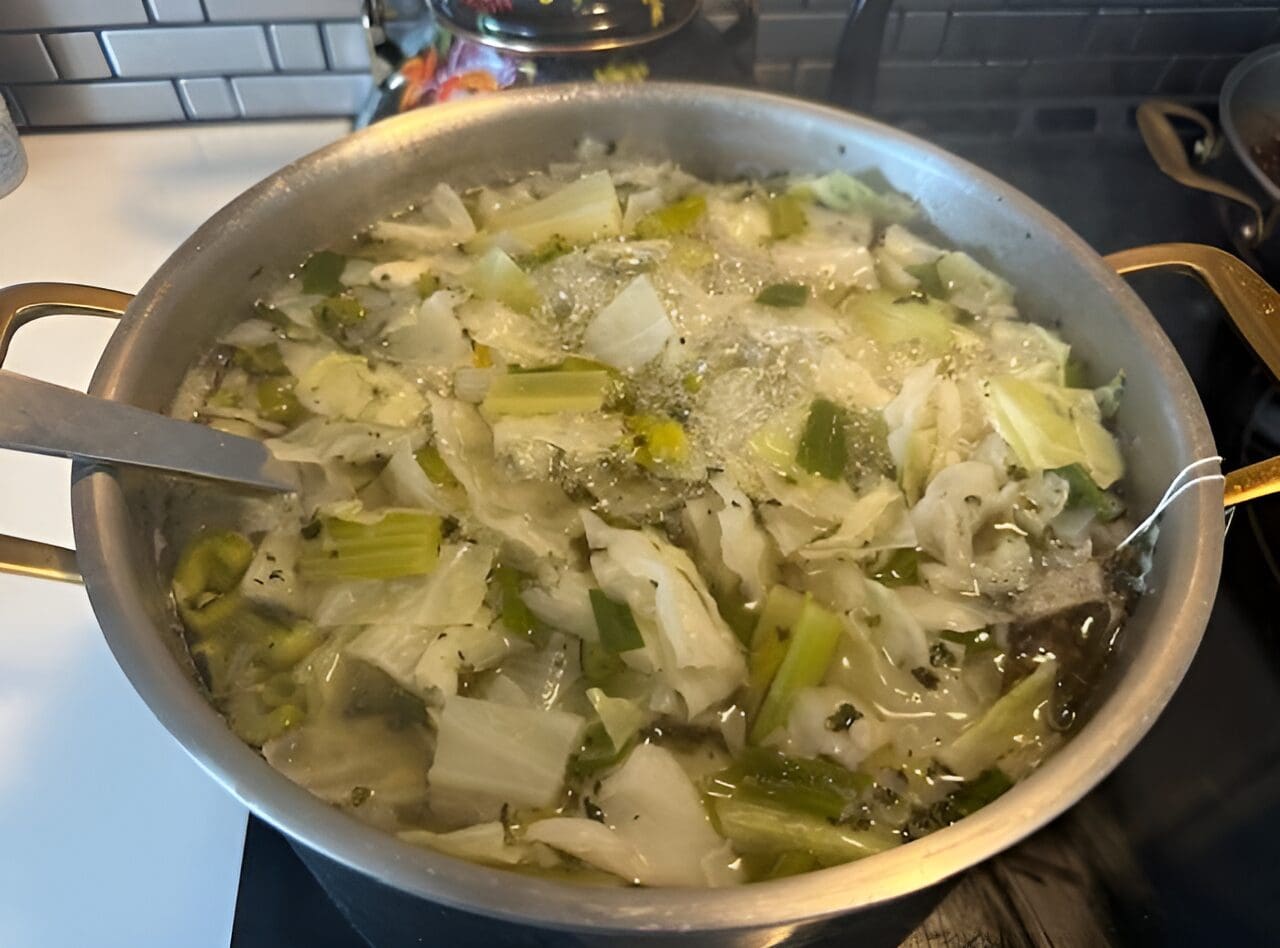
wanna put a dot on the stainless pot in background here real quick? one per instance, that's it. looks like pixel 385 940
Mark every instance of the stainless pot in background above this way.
pixel 238 255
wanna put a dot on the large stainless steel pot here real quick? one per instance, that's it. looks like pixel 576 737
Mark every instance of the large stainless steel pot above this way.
pixel 210 281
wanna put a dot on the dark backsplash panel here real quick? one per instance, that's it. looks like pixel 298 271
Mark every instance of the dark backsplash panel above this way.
pixel 985 67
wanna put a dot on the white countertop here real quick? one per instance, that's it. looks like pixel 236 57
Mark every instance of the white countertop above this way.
pixel 109 834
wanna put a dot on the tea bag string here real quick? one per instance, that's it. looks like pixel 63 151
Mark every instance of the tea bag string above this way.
pixel 1179 486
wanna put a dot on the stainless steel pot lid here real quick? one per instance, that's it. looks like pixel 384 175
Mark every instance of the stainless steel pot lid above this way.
pixel 564 26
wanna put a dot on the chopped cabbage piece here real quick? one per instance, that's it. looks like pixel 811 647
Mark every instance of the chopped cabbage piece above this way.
pixel 631 330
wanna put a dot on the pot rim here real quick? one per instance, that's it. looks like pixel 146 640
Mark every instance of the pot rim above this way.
pixel 100 518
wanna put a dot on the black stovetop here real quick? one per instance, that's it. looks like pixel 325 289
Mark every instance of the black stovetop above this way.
pixel 1179 846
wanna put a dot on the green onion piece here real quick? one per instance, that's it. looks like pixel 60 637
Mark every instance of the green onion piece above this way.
pixel 782 607
pixel 426 284
pixel 618 630
pixel 212 563
pixel 822 449
pixel 786 216
pixel 322 273
pixel 901 568
pixel 599 664
pixel 786 295
pixel 433 466
pixel 930 281
pixel 678 218
pixel 544 393
pixel 277 401
pixel 755 827
pixel 516 615
pixel 1083 492
pixel 402 543
pixel 811 647
pixel 597 752
pixel 261 360
pixel 809 785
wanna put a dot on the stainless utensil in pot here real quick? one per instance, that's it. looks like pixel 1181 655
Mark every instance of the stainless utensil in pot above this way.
pixel 214 277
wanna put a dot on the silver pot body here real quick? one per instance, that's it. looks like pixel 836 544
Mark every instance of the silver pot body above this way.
pixel 240 253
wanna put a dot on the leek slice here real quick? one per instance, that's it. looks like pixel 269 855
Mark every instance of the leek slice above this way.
pixel 544 393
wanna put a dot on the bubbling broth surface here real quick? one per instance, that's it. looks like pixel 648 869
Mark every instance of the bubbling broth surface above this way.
pixel 655 531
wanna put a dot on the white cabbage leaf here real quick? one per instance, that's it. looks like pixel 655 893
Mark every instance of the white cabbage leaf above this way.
pixel 632 329
pixel 807 733
pixel 446 223
pixel 348 386
pixel 430 334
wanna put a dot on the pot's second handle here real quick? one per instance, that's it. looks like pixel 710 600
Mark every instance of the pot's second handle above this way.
pixel 1254 307
pixel 20 305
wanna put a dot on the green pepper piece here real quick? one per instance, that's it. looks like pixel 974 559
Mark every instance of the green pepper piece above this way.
pixel 1083 492
pixel 783 295
pixel 787 216
pixel 678 218
pixel 516 615
pixel 822 449
pixel 597 752
pixel 426 285
pixel 599 664
pixel 262 360
pixel 322 273
pixel 434 467
pixel 337 315
pixel 618 630
pixel 277 401
pixel 930 281
pixel 901 568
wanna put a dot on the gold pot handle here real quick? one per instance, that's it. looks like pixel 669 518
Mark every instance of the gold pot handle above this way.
pixel 1171 156
pixel 20 305
pixel 1254 307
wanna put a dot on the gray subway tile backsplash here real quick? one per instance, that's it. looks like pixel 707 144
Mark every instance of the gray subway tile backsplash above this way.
pixel 176 11
pixel 297 47
pixel 77 55
pixel 99 103
pixel 208 99
pixel 179 51
pixel 267 10
pixel 283 96
pixel 346 46
pixel 68 14
pixel 23 59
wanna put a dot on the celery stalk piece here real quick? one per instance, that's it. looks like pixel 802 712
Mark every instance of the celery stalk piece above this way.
pixel 822 449
pixel 786 216
pixel 677 218
pixel 211 563
pixel 544 393
pixel 432 464
pixel 578 213
pixel 809 652
pixel 402 543
pixel 809 785
pixel 764 828
pixel 495 276
pixel 891 319
pixel 1015 720
pixel 782 607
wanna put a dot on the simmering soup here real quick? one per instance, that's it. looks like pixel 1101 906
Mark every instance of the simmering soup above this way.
pixel 656 531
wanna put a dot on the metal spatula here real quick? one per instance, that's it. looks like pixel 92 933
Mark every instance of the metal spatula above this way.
pixel 40 418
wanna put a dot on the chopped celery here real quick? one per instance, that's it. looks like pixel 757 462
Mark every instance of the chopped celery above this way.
pixel 678 218
pixel 401 543
pixel 783 295
pixel 516 615
pixel 543 393
pixel 618 630
pixel 579 212
pixel 322 273
pixel 433 466
pixel 283 648
pixel 786 216
pixel 1083 492
pixel 596 753
pixel 900 568
pixel 782 607
pixel 974 794
pixel 891 319
pixel 690 254
pixel 599 663
pixel 791 863
pixel 1015 720
pixel 426 284
pixel 822 449
pixel 659 442
pixel 754 827
pixel 211 563
pixel 495 276
pixel 262 360
pixel 277 402
pixel 810 649
pixel 545 252
pixel 571 363
pixel 809 785
pixel 338 315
